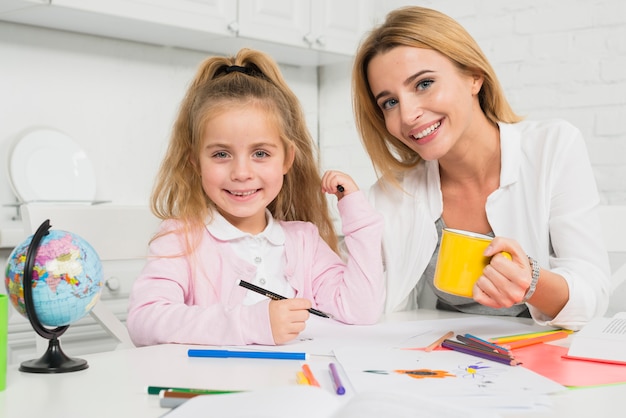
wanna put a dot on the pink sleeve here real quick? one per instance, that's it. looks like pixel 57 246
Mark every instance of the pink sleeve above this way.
pixel 354 290
pixel 173 301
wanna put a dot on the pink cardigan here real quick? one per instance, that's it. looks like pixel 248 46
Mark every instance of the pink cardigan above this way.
pixel 196 299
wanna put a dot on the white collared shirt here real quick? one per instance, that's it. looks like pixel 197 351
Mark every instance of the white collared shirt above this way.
pixel 264 250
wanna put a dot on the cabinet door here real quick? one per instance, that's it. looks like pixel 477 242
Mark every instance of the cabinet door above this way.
pixel 337 26
pixel 282 21
pixel 202 15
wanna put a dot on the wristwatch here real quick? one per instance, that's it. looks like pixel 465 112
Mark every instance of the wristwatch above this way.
pixel 534 265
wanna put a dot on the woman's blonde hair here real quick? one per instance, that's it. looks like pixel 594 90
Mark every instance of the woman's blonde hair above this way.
pixel 417 27
pixel 249 77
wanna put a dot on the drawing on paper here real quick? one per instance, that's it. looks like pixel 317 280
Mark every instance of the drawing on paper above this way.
pixel 417 373
pixel 478 370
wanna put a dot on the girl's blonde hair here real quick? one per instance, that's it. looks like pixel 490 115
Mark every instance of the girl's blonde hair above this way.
pixel 417 27
pixel 249 77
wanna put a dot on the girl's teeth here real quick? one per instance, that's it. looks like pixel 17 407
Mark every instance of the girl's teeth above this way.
pixel 243 194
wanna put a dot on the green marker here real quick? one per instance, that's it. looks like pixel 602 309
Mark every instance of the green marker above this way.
pixel 155 390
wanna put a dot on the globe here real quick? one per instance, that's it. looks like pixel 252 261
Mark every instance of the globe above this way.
pixel 54 278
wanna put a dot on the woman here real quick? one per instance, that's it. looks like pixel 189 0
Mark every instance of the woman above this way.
pixel 450 152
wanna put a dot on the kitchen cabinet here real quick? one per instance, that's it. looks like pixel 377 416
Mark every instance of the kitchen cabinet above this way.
pixel 325 25
pixel 298 32
pixel 183 23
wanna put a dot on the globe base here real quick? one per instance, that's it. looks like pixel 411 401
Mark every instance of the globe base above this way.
pixel 54 360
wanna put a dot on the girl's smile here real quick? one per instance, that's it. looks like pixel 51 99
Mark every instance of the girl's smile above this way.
pixel 242 162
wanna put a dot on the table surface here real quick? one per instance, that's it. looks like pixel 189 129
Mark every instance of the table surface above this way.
pixel 115 383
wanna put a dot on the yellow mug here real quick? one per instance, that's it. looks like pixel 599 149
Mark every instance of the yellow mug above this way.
pixel 461 261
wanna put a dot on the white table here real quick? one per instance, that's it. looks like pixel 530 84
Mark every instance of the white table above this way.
pixel 115 383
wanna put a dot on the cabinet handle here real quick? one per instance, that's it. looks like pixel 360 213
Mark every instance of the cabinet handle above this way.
pixel 309 38
pixel 113 284
pixel 233 27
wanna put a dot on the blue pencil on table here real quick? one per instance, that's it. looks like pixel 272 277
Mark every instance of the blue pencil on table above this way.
pixel 276 355
pixel 276 296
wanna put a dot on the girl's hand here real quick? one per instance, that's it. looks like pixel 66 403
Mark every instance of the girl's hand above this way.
pixel 504 282
pixel 288 318
pixel 338 183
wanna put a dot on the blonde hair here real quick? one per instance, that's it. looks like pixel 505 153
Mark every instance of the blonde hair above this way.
pixel 249 77
pixel 417 27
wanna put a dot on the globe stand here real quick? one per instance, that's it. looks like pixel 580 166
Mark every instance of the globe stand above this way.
pixel 54 359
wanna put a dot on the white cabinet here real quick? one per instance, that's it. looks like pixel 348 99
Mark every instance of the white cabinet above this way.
pixel 324 25
pixel 185 23
pixel 299 32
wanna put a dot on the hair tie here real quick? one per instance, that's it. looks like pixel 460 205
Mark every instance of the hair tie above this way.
pixel 239 69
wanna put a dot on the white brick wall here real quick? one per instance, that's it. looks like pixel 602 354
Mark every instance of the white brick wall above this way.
pixel 562 58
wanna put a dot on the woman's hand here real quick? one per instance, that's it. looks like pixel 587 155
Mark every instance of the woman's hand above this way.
pixel 338 183
pixel 288 318
pixel 504 282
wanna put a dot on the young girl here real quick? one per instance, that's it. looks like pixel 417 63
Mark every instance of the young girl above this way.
pixel 241 198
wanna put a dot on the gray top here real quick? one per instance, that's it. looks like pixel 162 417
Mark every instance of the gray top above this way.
pixel 429 297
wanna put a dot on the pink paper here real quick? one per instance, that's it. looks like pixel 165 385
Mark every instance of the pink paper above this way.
pixel 548 360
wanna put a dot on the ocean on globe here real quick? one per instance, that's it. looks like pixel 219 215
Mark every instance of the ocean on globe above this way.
pixel 67 278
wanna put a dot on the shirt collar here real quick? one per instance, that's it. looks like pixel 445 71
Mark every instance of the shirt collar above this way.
pixel 223 230
pixel 511 154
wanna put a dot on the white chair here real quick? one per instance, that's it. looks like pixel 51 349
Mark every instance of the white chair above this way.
pixel 613 219
pixel 117 233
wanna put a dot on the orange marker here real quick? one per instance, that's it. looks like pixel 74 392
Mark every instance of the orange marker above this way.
pixel 309 375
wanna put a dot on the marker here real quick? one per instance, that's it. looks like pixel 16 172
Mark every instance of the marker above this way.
pixel 301 379
pixel 340 188
pixel 275 296
pixel 156 390
pixel 309 375
pixel 336 381
pixel 276 355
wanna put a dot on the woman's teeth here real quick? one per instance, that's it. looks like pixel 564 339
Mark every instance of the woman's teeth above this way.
pixel 427 131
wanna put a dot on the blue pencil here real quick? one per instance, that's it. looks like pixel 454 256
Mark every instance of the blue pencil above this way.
pixel 277 355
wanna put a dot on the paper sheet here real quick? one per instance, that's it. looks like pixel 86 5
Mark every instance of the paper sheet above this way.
pixel 602 339
pixel 322 335
pixel 311 402
pixel 438 374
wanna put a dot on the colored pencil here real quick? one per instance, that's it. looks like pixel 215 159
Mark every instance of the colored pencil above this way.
pixel 309 375
pixel 473 340
pixel 516 337
pixel 438 341
pixel 473 351
pixel 537 340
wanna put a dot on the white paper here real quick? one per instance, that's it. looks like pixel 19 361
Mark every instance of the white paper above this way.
pixel 312 402
pixel 439 374
pixel 322 336
pixel 602 339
